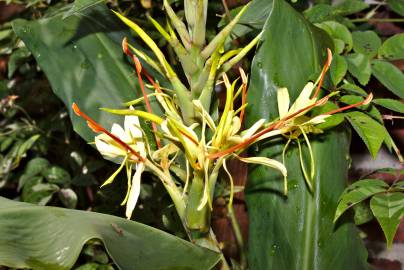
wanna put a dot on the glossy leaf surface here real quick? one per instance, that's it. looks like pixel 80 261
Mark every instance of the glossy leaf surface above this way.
pixel 50 238
pixel 296 232
pixel 83 60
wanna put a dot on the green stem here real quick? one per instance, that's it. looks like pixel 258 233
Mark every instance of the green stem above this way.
pixel 377 20
pixel 239 237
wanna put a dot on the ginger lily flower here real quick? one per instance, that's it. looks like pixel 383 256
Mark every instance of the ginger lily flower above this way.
pixel 132 135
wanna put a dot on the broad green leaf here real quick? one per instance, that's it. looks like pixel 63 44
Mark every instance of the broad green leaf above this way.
pixel 319 13
pixel 357 192
pixel 253 18
pixel 359 67
pixel 371 132
pixel 397 6
pixel 391 104
pixel 338 69
pixel 296 232
pixel 388 208
pixel 81 5
pixel 393 48
pixel 389 75
pixel 366 42
pixel 50 238
pixel 83 60
pixel 337 31
pixel 349 7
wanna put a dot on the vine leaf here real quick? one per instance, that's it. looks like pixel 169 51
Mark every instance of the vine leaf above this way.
pixel 389 75
pixel 359 67
pixel 371 132
pixel 391 104
pixel 393 48
pixel 366 42
pixel 388 208
pixel 358 192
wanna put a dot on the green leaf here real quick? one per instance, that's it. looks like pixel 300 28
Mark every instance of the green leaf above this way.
pixel 83 60
pixel 80 6
pixel 337 31
pixel 37 192
pixel 391 104
pixel 296 232
pixel 253 18
pixel 50 238
pixel 57 175
pixel 371 132
pixel 319 13
pixel 353 88
pixel 338 69
pixel 357 192
pixel 359 67
pixel 397 6
pixel 349 7
pixel 36 166
pixel 388 208
pixel 332 121
pixel 366 42
pixel 389 75
pixel 15 60
pixel 68 197
pixel 362 213
pixel 393 48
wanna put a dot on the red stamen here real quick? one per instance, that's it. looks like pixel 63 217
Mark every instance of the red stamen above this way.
pixel 364 102
pixel 138 67
pixel 98 128
pixel 323 72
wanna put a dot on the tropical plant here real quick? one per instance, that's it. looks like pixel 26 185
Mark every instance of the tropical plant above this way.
pixel 173 132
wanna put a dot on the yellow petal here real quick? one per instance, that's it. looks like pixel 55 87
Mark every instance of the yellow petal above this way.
pixel 283 102
pixel 266 162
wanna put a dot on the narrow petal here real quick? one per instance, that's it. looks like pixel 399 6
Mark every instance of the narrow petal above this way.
pixel 134 191
pixel 108 149
pixel 304 98
pixel 266 162
pixel 251 131
pixel 112 177
pixel 283 102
